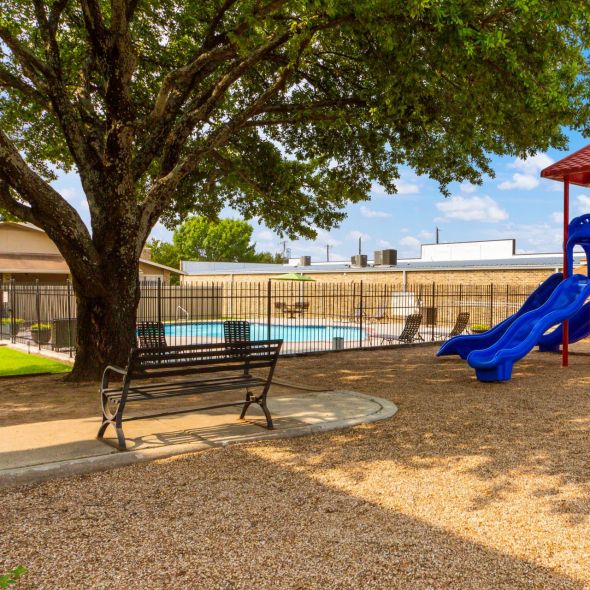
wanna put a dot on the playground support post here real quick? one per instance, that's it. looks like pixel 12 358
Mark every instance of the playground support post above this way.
pixel 566 215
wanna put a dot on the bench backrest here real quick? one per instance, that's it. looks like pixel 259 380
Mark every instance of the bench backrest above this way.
pixel 203 358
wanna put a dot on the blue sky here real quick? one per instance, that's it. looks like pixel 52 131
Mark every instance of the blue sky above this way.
pixel 517 203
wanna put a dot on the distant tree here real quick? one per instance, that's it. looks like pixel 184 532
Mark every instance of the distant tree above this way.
pixel 164 253
pixel 223 240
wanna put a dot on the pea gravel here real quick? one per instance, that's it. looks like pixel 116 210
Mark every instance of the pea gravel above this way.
pixel 469 486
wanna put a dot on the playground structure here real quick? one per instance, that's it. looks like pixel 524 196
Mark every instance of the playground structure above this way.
pixel 559 301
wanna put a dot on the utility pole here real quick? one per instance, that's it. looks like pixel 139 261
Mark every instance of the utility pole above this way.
pixel 437 235
pixel 286 253
pixel 360 246
pixel 327 252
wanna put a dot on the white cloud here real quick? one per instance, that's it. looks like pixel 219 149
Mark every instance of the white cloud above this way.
pixel 583 203
pixel 406 188
pixel 527 177
pixel 525 182
pixel 557 217
pixel 70 194
pixel 409 241
pixel 483 209
pixel 532 164
pixel 425 235
pixel 366 212
pixel 264 235
pixel 355 235
pixel 384 244
pixel 467 187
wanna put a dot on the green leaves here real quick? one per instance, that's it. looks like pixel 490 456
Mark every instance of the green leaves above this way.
pixel 223 240
pixel 11 578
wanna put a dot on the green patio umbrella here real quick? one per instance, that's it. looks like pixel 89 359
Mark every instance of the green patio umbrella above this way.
pixel 293 276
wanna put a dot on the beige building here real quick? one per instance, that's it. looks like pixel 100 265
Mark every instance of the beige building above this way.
pixel 27 254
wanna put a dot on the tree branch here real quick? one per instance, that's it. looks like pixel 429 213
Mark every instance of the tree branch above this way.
pixel 61 221
pixel 9 80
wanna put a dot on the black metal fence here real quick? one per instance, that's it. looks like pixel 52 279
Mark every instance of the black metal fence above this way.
pixel 309 316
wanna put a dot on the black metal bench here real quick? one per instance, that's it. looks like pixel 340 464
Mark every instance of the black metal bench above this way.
pixel 213 368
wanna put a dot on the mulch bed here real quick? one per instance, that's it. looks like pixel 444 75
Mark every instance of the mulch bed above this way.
pixel 470 485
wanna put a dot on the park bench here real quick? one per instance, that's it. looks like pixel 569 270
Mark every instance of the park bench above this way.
pixel 157 373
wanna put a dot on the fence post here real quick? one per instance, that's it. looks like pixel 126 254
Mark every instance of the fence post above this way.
pixel 69 310
pixel 38 306
pixel 361 314
pixel 268 308
pixel 491 305
pixel 434 312
pixel 12 299
pixel 159 301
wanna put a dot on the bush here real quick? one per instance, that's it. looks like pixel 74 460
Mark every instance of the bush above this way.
pixel 39 327
pixel 8 321
pixel 12 576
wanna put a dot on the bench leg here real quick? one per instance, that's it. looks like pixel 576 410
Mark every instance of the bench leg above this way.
pixel 262 404
pixel 246 405
pixel 121 444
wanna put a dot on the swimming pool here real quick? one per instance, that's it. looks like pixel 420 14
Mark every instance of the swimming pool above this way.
pixel 259 331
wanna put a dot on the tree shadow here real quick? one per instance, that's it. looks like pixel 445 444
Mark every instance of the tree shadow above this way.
pixel 234 518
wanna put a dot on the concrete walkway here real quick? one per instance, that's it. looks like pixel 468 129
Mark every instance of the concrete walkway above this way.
pixel 42 450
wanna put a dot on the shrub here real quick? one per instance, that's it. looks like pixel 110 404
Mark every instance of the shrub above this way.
pixel 39 327
pixel 8 321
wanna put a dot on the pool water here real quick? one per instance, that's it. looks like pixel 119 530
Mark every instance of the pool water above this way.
pixel 287 332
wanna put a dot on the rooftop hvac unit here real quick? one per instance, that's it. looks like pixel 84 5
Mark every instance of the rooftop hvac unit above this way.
pixel 389 257
pixel 385 257
pixel 359 260
pixel 305 261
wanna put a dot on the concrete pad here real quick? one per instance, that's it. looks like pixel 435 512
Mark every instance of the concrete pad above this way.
pixel 37 451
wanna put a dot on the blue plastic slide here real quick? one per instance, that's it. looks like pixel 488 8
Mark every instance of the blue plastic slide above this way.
pixel 579 328
pixel 465 344
pixel 495 362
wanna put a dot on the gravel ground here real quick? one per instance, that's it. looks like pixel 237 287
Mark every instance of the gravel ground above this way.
pixel 470 485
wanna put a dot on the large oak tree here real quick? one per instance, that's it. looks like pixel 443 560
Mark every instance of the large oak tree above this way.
pixel 283 109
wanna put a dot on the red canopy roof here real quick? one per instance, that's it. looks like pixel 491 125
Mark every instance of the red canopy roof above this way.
pixel 576 167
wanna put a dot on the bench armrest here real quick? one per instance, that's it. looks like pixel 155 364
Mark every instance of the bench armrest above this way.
pixel 111 369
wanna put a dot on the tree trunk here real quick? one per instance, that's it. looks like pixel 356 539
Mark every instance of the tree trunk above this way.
pixel 106 322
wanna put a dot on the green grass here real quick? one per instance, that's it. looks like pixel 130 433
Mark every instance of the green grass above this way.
pixel 13 362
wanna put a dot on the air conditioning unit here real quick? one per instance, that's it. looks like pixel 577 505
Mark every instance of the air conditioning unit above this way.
pixel 389 257
pixel 360 260
pixel 305 261
pixel 378 257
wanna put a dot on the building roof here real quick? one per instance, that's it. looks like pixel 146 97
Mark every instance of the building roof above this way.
pixel 32 263
pixel 45 263
pixel 526 261
pixel 576 167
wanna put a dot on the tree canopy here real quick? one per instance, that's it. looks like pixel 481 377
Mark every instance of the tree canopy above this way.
pixel 281 109
pixel 199 238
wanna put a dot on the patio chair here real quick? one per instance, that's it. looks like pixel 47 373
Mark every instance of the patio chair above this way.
pixel 301 306
pixel 409 334
pixel 460 324
pixel 151 335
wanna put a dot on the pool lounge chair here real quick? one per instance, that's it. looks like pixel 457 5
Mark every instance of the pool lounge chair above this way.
pixel 460 324
pixel 151 335
pixel 236 331
pixel 409 334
